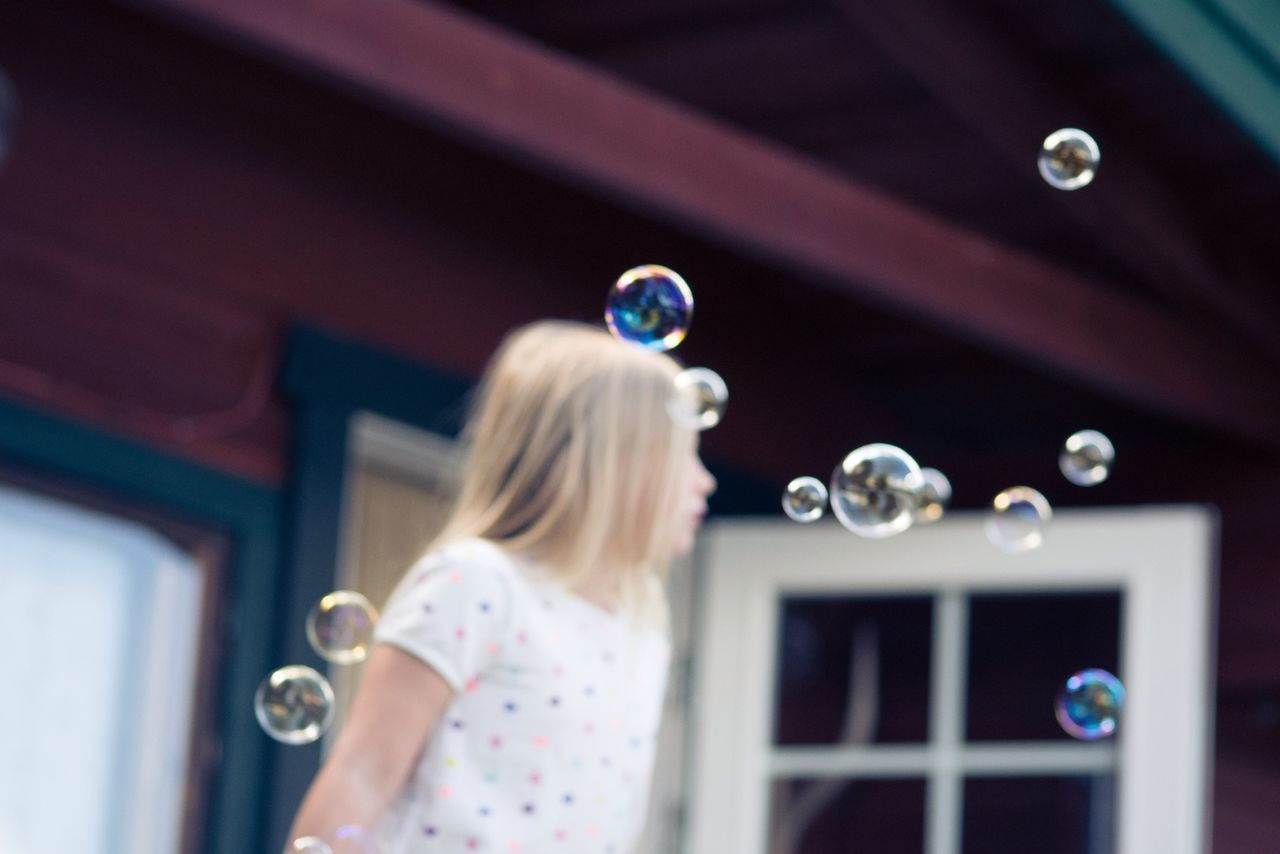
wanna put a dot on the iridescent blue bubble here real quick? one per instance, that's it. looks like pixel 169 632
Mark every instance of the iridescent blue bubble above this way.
pixel 1088 706
pixel 651 306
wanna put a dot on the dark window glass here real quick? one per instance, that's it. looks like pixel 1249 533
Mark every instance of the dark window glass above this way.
pixel 853 670
pixel 1047 815
pixel 826 816
pixel 1023 647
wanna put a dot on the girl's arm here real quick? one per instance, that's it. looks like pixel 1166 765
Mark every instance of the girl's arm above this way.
pixel 399 701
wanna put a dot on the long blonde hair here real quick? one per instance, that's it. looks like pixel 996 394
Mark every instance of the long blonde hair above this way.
pixel 574 459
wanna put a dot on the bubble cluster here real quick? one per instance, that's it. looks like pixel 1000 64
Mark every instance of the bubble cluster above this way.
pixel 805 499
pixel 340 627
pixel 294 705
pixel 1069 159
pixel 875 490
pixel 699 398
pixel 1088 706
pixel 1086 458
pixel 934 497
pixel 651 306
pixel 1017 519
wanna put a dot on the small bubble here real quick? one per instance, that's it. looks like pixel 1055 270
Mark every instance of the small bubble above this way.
pixel 340 627
pixel 1069 159
pixel 934 498
pixel 1086 458
pixel 699 398
pixel 294 705
pixel 354 839
pixel 1017 519
pixel 805 499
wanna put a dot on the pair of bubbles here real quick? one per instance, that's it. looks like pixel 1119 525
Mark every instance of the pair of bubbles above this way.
pixel 1019 515
pixel 651 306
pixel 295 703
pixel 878 490
pixel 349 839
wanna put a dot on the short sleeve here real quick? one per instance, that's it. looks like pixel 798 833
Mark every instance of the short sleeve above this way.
pixel 451 610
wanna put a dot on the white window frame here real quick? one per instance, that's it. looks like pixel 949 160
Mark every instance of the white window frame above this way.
pixel 1161 560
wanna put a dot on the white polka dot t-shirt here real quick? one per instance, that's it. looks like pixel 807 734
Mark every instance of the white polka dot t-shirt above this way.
pixel 548 743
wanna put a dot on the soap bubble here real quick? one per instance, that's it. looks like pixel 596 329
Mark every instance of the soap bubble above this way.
pixel 699 399
pixel 1017 519
pixel 1069 159
pixel 805 499
pixel 875 490
pixel 354 839
pixel 340 627
pixel 294 705
pixel 308 845
pixel 651 306
pixel 934 497
pixel 1089 704
pixel 1086 458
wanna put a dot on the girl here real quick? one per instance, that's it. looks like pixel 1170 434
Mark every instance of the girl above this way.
pixel 512 699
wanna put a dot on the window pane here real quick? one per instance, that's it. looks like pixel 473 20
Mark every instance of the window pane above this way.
pixel 95 727
pixel 1023 647
pixel 1047 815
pixel 824 816
pixel 853 670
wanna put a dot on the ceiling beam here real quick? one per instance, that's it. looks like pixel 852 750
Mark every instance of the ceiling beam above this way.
pixel 453 73
pixel 1010 100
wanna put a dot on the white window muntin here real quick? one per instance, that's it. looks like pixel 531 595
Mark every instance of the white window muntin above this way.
pixel 1160 559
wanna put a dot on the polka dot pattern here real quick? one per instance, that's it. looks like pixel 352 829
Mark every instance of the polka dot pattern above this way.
pixel 547 744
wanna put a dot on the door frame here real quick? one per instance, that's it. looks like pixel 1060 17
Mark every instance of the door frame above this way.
pixel 42 445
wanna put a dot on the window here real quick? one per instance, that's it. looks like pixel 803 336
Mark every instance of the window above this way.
pixel 104 624
pixel 899 693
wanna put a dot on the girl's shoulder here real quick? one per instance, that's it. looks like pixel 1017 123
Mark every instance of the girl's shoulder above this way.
pixel 472 554
pixel 460 572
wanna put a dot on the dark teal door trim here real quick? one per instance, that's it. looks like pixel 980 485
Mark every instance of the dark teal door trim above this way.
pixel 329 379
pixel 1230 48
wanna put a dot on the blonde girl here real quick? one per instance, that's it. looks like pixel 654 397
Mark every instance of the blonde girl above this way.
pixel 512 699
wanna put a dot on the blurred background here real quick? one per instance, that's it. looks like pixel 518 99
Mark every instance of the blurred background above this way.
pixel 253 253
